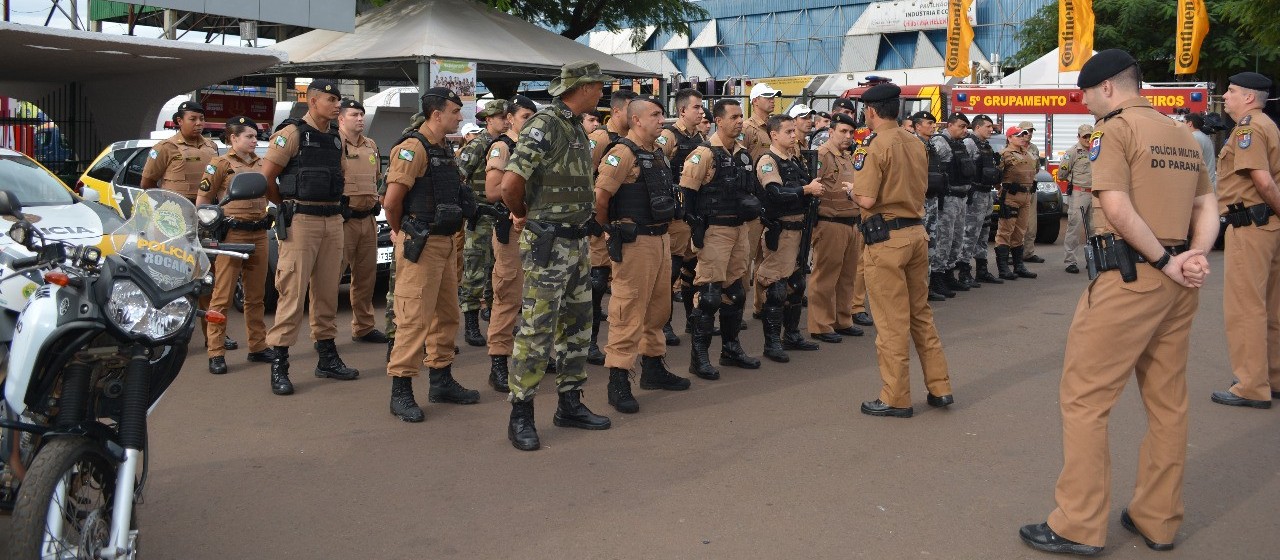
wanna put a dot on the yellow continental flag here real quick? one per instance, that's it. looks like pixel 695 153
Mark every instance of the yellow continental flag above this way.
pixel 1193 26
pixel 1075 34
pixel 959 38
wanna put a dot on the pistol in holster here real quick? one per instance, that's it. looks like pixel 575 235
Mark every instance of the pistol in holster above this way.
pixel 347 212
pixel 620 233
pixel 542 241
pixel 415 234
pixel 1106 252
pixel 1005 210
pixel 697 229
pixel 874 229
pixel 772 233
pixel 502 224
pixel 283 217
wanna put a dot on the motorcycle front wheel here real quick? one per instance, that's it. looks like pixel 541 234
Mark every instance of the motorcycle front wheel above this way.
pixel 64 508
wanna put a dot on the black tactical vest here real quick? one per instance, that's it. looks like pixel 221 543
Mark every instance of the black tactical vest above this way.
pixel 439 196
pixel 729 192
pixel 684 146
pixel 315 174
pixel 987 164
pixel 794 178
pixel 962 169
pixel 651 199
pixel 937 171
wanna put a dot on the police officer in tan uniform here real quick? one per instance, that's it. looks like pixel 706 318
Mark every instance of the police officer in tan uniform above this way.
pixel 306 158
pixel 248 223
pixel 716 184
pixel 889 183
pixel 598 140
pixel 755 138
pixel 837 242
pixel 360 169
pixel 427 204
pixel 1079 176
pixel 635 202
pixel 508 274
pixel 1151 187
pixel 1248 169
pixel 677 141
pixel 1017 196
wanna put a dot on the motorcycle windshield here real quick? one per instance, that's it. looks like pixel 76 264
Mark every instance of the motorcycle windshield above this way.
pixel 160 237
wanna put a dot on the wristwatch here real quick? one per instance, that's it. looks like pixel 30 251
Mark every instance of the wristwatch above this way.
pixel 1164 260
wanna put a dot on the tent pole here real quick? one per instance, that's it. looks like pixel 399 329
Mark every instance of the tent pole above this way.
pixel 424 76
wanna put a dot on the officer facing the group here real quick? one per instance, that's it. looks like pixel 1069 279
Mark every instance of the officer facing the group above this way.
pixel 616 128
pixel 787 192
pixel 548 186
pixel 717 185
pixel 635 202
pixel 307 160
pixel 977 228
pixel 1017 203
pixel 427 204
pixel 248 223
pixel 477 248
pixel 677 141
pixel 1247 173
pixel 1134 319
pixel 360 169
pixel 889 183
pixel 837 242
pixel 1075 167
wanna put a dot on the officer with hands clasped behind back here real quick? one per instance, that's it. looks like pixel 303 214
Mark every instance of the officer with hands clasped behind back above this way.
pixel 677 141
pixel 1248 169
pixel 427 204
pixel 548 187
pixel 306 158
pixel 360 170
pixel 786 193
pixel 889 183
pixel 1134 319
pixel 601 266
pixel 635 203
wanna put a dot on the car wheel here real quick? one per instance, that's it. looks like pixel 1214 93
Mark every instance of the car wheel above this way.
pixel 1047 230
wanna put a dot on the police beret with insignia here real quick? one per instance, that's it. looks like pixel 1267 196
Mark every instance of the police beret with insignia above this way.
pixel 650 99
pixel 444 93
pixel 1102 66
pixel 190 106
pixel 323 86
pixel 841 118
pixel 351 104
pixel 1251 80
pixel 923 116
pixel 245 121
pixel 844 103
pixel 881 92
pixel 524 102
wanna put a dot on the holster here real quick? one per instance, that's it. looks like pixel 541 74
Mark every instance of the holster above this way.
pixel 874 229
pixel 1105 252
pixel 415 238
pixel 697 229
pixel 543 240
pixel 502 224
pixel 1259 214
pixel 345 202
pixel 1006 211
pixel 619 234
pixel 772 233
pixel 283 217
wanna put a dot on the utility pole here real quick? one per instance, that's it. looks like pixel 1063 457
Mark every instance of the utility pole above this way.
pixel 170 24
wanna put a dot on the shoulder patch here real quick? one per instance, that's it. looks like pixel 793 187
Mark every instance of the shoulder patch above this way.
pixel 767 168
pixel 1095 145
pixel 210 169
pixel 742 136
pixel 154 154
pixel 611 160
pixel 859 158
pixel 1246 120
pixel 696 159
pixel 494 153
pixel 466 156
pixel 405 154
pixel 536 134
pixel 662 140
pixel 281 141
pixel 1244 138
pixel 204 184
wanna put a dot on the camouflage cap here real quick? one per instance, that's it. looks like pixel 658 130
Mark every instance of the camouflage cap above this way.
pixel 574 73
pixel 493 107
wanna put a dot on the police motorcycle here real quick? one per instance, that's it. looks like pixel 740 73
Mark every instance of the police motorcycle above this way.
pixel 92 353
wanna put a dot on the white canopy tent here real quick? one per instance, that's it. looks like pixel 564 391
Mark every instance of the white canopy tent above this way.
pixel 1042 71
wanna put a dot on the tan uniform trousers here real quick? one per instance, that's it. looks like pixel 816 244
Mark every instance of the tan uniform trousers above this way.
pixel 898 277
pixel 755 241
pixel 309 259
pixel 1073 240
pixel 1012 231
pixel 1033 224
pixel 723 256
pixel 360 252
pixel 681 240
pixel 599 252
pixel 1251 308
pixel 459 241
pixel 508 281
pixel 836 251
pixel 1119 329
pixel 860 281
pixel 253 273
pixel 427 310
pixel 641 301
pixel 778 265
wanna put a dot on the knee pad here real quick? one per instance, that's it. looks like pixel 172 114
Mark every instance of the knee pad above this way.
pixel 796 282
pixel 709 299
pixel 736 293
pixel 688 272
pixel 599 279
pixel 775 294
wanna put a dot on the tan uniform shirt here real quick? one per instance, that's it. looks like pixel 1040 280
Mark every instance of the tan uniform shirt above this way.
pixel 1019 166
pixel 1253 144
pixel 360 170
pixel 667 140
pixel 217 178
pixel 1156 161
pixel 599 140
pixel 700 168
pixel 409 159
pixel 891 166
pixel 178 164
pixel 284 144
pixel 619 167
pixel 1075 167
pixel 498 155
pixel 835 168
pixel 754 136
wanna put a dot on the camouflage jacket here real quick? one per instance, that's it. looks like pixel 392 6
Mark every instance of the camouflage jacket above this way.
pixel 471 161
pixel 553 156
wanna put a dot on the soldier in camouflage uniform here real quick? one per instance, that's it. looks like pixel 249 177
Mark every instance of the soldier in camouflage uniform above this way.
pixel 548 188
pixel 477 249
pixel 925 125
pixel 958 154
pixel 977 228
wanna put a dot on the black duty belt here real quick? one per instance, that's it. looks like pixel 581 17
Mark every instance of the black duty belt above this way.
pixel 362 214
pixel 1239 215
pixel 567 231
pixel 1172 249
pixel 900 223
pixel 850 221
pixel 318 210
pixel 791 226
pixel 1014 188
pixel 249 225
pixel 659 229
pixel 728 221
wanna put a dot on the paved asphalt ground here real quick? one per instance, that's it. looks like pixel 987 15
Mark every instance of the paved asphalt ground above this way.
pixel 774 463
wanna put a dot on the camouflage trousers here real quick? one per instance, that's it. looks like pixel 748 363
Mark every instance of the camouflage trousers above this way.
pixel 555 318
pixel 477 266
pixel 977 229
pixel 931 221
pixel 950 233
pixel 390 329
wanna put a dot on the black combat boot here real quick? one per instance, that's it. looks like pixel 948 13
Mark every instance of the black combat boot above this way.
pixel 330 364
pixel 1019 268
pixel 599 286
pixel 982 274
pixel 486 313
pixel 521 431
pixel 933 293
pixel 620 397
pixel 280 383
pixel 391 344
pixel 686 293
pixel 571 413
pixel 699 360
pixel 655 375
pixel 791 337
pixel 670 334
pixel 498 373
pixel 731 352
pixel 229 343
pixel 471 328
pixel 771 317
pixel 953 281
pixel 938 281
pixel 217 365
pixel 403 406
pixel 265 356
pixel 965 274
pixel 446 389
pixel 1002 263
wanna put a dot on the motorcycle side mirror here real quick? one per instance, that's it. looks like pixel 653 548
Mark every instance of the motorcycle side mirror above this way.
pixel 10 205
pixel 245 186
pixel 90 195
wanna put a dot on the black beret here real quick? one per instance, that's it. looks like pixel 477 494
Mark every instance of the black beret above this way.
pixel 1251 80
pixel 190 106
pixel 881 92
pixel 982 119
pixel 651 99
pixel 518 100
pixel 244 121
pixel 351 104
pixel 923 116
pixel 1103 66
pixel 444 93
pixel 845 103
pixel 953 116
pixel 841 118
pixel 325 86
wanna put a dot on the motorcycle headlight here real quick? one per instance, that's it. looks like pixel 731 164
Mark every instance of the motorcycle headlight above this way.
pixel 131 310
pixel 208 215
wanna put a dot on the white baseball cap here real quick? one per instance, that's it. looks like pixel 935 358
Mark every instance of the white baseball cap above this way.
pixel 799 110
pixel 763 90
pixel 470 128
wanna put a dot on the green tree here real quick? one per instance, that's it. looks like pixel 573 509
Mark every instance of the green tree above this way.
pixel 1146 29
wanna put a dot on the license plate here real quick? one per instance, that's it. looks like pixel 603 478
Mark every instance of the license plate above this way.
pixel 385 254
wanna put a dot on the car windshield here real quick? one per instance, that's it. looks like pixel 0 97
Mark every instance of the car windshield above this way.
pixel 32 185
